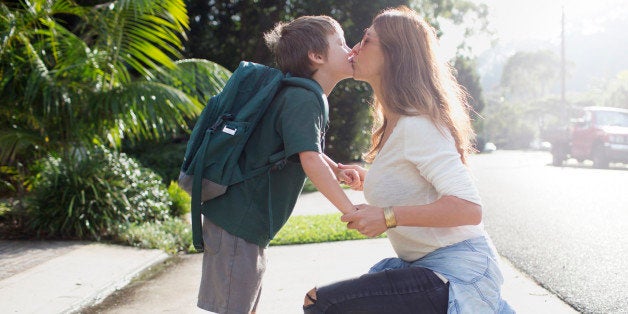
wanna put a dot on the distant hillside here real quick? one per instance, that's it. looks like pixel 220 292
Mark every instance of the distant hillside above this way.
pixel 590 58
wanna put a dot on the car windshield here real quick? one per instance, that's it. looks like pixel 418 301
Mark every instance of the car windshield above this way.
pixel 612 118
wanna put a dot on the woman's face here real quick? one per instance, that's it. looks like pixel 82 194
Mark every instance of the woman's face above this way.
pixel 368 58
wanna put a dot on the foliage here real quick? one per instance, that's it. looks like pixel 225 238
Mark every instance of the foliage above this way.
pixel 470 13
pixel 530 75
pixel 87 195
pixel 76 75
pixel 315 229
pixel 616 92
pixel 14 180
pixel 350 122
pixel 12 218
pixel 509 125
pixel 523 108
pixel 467 75
pixel 197 77
pixel 181 200
pixel 172 235
pixel 164 157
pixel 5 208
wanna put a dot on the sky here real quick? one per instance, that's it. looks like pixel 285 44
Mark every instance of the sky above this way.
pixel 523 20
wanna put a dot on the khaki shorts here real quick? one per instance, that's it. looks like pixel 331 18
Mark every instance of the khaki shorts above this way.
pixel 232 272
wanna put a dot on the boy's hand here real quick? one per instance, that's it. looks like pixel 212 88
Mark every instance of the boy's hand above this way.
pixel 358 184
pixel 349 177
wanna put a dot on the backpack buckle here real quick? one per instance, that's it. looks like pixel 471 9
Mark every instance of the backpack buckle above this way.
pixel 225 117
pixel 278 165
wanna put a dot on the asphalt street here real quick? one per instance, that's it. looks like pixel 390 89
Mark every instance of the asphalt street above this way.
pixel 566 227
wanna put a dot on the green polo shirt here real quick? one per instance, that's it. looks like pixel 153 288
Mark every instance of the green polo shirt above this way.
pixel 293 123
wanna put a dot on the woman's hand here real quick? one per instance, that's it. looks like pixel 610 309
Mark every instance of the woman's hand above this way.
pixel 368 220
pixel 361 172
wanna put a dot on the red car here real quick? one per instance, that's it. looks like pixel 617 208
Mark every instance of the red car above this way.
pixel 600 134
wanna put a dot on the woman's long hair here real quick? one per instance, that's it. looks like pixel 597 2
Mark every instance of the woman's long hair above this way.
pixel 414 82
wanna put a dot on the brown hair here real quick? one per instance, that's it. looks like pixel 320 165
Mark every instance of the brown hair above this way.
pixel 291 42
pixel 414 82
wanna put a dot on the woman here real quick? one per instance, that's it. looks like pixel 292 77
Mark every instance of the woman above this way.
pixel 419 188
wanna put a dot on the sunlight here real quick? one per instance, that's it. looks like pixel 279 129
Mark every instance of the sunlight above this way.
pixel 538 20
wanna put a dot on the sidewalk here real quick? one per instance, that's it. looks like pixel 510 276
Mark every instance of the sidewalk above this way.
pixel 65 277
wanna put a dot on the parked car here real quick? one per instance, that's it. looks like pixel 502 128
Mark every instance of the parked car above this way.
pixel 599 134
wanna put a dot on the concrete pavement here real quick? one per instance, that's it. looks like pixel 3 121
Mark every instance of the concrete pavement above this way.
pixel 65 278
pixel 69 277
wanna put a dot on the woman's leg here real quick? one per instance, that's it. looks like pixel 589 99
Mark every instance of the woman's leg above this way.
pixel 398 291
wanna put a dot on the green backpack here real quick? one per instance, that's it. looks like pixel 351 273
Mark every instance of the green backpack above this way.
pixel 223 129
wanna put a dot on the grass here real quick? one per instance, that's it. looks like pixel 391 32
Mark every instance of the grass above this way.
pixel 175 236
pixel 315 229
pixel 309 186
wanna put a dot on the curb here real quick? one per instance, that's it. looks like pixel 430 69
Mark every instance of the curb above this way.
pixel 76 279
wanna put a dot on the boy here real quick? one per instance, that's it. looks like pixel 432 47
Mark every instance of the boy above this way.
pixel 241 223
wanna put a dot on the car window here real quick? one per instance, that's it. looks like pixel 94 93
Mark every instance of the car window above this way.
pixel 610 118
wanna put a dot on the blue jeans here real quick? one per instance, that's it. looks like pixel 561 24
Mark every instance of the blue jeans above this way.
pixel 395 291
pixel 397 286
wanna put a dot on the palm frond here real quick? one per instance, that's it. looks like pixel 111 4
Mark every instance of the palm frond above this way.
pixel 14 142
pixel 143 109
pixel 146 34
pixel 61 87
pixel 198 78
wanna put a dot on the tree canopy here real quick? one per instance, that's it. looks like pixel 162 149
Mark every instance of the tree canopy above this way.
pixel 530 74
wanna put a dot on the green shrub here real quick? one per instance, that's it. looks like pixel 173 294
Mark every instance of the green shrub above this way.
pixel 11 219
pixel 181 200
pixel 172 235
pixel 89 195
pixel 315 229
pixel 5 208
pixel 165 159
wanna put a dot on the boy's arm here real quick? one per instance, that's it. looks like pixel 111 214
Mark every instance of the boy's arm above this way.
pixel 316 167
pixel 332 164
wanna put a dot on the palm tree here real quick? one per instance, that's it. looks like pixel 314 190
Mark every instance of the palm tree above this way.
pixel 73 76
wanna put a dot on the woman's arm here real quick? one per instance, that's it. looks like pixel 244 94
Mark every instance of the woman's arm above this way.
pixel 448 211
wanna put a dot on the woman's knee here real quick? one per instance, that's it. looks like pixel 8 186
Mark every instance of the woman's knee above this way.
pixel 310 298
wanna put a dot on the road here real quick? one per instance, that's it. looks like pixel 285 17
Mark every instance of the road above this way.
pixel 567 227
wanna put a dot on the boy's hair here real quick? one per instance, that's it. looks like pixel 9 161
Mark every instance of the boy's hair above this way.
pixel 292 41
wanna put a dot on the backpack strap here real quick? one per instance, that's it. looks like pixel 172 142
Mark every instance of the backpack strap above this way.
pixel 277 160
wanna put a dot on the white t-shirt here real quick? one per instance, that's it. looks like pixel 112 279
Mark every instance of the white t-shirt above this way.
pixel 418 164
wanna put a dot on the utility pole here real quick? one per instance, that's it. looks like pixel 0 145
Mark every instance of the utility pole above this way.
pixel 562 58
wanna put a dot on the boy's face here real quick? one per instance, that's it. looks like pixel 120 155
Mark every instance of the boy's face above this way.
pixel 337 65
